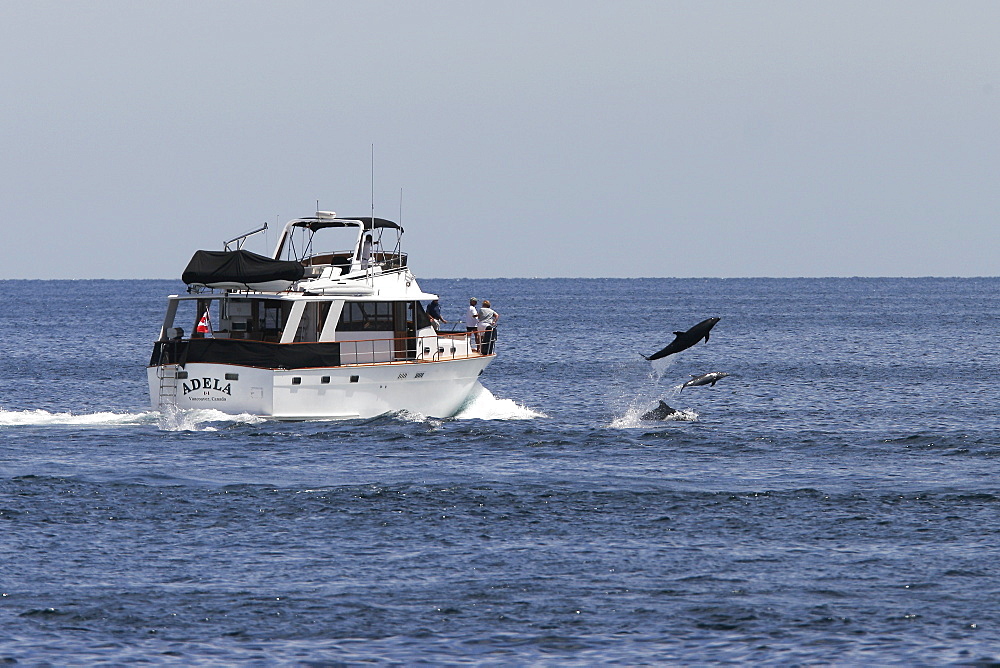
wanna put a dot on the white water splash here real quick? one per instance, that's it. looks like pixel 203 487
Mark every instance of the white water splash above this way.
pixel 482 405
pixel 175 419
pixel 40 417
pixel 661 366
pixel 634 403
pixel 632 418
pixel 167 420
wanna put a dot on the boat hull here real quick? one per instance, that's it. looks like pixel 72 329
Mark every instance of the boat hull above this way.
pixel 434 389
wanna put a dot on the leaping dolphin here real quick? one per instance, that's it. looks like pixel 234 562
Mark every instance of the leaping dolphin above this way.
pixel 661 412
pixel 705 379
pixel 684 340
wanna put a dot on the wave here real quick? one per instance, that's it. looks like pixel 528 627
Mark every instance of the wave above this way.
pixel 483 405
pixel 175 419
pixel 170 420
pixel 40 417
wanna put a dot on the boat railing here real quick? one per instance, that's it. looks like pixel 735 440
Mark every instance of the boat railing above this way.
pixel 428 348
pixel 344 259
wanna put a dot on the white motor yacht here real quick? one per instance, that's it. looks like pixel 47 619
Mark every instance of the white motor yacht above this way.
pixel 312 332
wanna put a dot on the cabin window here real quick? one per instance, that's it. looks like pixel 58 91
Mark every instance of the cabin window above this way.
pixel 254 319
pixel 272 319
pixel 237 317
pixel 366 316
pixel 381 316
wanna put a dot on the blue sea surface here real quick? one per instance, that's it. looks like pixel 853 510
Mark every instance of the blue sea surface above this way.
pixel 834 500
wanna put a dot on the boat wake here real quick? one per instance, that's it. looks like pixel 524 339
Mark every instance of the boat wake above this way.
pixel 175 419
pixel 482 405
pixel 169 420
pixel 43 418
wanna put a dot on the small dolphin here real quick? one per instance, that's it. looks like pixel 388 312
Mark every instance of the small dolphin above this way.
pixel 684 340
pixel 661 412
pixel 705 379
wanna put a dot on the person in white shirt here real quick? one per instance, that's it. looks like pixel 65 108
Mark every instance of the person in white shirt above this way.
pixel 488 319
pixel 366 252
pixel 472 323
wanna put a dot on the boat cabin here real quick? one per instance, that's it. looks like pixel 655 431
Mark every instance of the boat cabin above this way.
pixel 356 303
pixel 369 331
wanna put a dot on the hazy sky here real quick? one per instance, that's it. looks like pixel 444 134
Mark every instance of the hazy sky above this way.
pixel 528 139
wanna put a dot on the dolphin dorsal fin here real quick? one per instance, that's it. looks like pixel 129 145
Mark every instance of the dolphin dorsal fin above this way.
pixel 678 333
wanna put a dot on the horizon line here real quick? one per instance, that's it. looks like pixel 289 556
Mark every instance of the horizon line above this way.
pixel 580 278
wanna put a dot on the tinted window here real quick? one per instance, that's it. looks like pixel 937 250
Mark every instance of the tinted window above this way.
pixel 366 316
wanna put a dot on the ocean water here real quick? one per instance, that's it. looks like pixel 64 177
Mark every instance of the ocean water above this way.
pixel 834 500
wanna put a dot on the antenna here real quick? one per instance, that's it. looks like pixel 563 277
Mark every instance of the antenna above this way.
pixel 373 186
pixel 400 207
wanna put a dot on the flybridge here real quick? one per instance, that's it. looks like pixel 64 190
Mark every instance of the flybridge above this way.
pixel 369 247
pixel 304 255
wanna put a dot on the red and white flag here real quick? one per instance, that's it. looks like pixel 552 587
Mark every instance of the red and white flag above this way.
pixel 205 324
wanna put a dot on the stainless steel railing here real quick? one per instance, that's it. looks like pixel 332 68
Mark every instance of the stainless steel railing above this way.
pixel 433 348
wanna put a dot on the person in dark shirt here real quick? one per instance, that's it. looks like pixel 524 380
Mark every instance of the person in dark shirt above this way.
pixel 434 312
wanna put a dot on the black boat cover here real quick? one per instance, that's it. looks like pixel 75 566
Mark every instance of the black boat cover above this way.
pixel 260 354
pixel 239 266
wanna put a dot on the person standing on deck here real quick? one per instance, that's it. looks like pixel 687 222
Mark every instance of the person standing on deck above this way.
pixel 472 323
pixel 366 252
pixel 488 319
pixel 434 313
